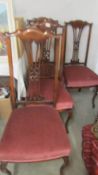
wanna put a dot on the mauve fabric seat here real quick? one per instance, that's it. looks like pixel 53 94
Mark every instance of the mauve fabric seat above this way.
pixel 64 99
pixel 34 133
pixel 79 76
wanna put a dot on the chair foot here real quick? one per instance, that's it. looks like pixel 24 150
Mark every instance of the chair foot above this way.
pixel 64 165
pixel 94 96
pixel 79 90
pixel 68 119
pixel 3 168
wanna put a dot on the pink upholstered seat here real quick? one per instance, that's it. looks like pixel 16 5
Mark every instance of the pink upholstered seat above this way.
pixel 79 76
pixel 34 134
pixel 64 99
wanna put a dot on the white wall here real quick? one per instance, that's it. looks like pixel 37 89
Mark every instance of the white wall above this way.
pixel 64 10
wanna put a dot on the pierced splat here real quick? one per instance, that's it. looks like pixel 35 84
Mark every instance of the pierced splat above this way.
pixel 39 66
pixel 78 27
pixel 38 54
pixel 76 41
pixel 46 51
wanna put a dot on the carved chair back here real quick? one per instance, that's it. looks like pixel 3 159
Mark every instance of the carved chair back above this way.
pixel 44 23
pixel 78 26
pixel 53 26
pixel 38 65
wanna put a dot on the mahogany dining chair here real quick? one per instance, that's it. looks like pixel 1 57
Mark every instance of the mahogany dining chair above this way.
pixel 76 72
pixel 48 48
pixel 35 131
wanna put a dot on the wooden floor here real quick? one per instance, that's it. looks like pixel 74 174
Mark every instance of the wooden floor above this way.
pixel 83 114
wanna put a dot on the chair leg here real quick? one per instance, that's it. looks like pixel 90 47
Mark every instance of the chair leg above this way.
pixel 3 168
pixel 64 165
pixel 68 119
pixel 94 96
pixel 79 90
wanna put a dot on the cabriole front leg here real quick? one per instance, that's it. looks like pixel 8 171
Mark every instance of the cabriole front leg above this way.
pixel 94 96
pixel 68 119
pixel 64 165
pixel 3 168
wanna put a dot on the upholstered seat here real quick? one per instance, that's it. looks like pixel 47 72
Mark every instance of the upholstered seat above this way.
pixel 79 76
pixel 34 134
pixel 64 99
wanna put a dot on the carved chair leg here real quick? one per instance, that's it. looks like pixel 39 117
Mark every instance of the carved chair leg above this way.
pixel 3 168
pixel 94 96
pixel 68 119
pixel 64 165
